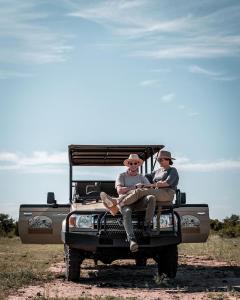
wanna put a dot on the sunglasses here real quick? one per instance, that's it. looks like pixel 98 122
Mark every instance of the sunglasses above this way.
pixel 133 164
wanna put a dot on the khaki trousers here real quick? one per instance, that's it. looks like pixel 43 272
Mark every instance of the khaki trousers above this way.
pixel 163 196
pixel 147 203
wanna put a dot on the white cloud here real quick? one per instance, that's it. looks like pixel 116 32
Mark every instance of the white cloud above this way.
pixel 7 156
pixel 44 162
pixel 26 34
pixel 192 51
pixel 109 12
pixel 211 166
pixel 38 162
pixel 198 70
pixel 168 98
pixel 151 82
pixel 41 158
pixel 210 74
pixel 187 35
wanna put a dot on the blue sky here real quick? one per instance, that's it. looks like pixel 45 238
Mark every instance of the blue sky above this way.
pixel 119 72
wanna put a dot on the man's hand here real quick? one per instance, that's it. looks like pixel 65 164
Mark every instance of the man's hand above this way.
pixel 139 185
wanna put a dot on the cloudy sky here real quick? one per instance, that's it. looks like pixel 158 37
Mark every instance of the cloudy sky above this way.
pixel 119 72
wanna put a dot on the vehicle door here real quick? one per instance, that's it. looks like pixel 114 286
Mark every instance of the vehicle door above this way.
pixel 41 223
pixel 195 222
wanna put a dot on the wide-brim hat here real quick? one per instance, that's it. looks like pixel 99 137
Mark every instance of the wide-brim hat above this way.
pixel 165 154
pixel 133 157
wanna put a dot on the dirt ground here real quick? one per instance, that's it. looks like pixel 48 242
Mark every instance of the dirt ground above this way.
pixel 197 278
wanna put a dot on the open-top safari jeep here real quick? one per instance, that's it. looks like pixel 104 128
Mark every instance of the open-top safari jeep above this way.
pixel 89 231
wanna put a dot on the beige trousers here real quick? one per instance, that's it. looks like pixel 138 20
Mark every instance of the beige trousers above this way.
pixel 163 196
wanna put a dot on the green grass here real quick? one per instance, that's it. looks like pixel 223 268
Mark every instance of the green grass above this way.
pixel 28 264
pixel 25 264
pixel 222 249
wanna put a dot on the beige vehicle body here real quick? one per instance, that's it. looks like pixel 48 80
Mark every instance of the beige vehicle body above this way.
pixel 194 222
pixel 88 231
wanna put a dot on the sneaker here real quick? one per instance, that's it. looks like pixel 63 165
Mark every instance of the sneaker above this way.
pixel 110 203
pixel 133 246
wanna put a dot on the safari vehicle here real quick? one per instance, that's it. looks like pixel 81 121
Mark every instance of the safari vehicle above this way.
pixel 87 230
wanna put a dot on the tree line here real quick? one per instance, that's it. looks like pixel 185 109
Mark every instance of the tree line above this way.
pixel 229 227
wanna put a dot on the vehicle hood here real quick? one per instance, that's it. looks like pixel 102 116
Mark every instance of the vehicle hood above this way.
pixel 89 206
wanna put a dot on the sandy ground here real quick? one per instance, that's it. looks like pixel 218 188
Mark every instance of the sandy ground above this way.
pixel 197 278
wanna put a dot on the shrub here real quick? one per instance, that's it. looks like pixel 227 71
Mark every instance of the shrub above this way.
pixel 7 225
pixel 230 227
pixel 216 225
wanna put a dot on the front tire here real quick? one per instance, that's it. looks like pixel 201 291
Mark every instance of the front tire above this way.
pixel 167 261
pixel 73 261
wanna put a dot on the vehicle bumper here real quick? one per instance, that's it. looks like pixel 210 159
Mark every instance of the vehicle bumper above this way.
pixel 93 242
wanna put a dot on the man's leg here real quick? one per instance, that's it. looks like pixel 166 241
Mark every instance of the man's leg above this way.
pixel 148 204
pixel 134 195
pixel 124 200
pixel 127 222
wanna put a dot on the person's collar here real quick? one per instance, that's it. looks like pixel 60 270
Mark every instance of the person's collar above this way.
pixel 131 173
pixel 167 168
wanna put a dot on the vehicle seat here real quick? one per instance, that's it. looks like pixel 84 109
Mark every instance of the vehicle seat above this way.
pixel 93 190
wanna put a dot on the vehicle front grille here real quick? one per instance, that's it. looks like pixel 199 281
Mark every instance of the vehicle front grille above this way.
pixel 112 226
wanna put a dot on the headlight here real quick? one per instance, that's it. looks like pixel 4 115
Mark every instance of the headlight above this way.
pixel 81 221
pixel 165 222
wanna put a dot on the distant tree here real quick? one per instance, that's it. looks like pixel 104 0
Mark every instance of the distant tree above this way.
pixel 7 225
pixel 232 221
pixel 230 227
pixel 216 225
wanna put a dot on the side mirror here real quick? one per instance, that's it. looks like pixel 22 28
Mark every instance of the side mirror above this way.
pixel 180 197
pixel 51 198
pixel 183 198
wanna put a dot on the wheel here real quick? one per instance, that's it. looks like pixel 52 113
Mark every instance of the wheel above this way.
pixel 167 261
pixel 141 261
pixel 73 260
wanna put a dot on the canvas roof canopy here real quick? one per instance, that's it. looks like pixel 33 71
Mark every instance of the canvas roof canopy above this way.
pixel 108 155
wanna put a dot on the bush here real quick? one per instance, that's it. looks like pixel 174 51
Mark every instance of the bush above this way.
pixel 216 225
pixel 230 227
pixel 7 225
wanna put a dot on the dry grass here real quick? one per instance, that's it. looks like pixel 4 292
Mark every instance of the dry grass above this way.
pixel 221 249
pixel 28 264
pixel 25 264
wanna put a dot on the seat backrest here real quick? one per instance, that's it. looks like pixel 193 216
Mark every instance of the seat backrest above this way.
pixel 149 177
pixel 81 187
